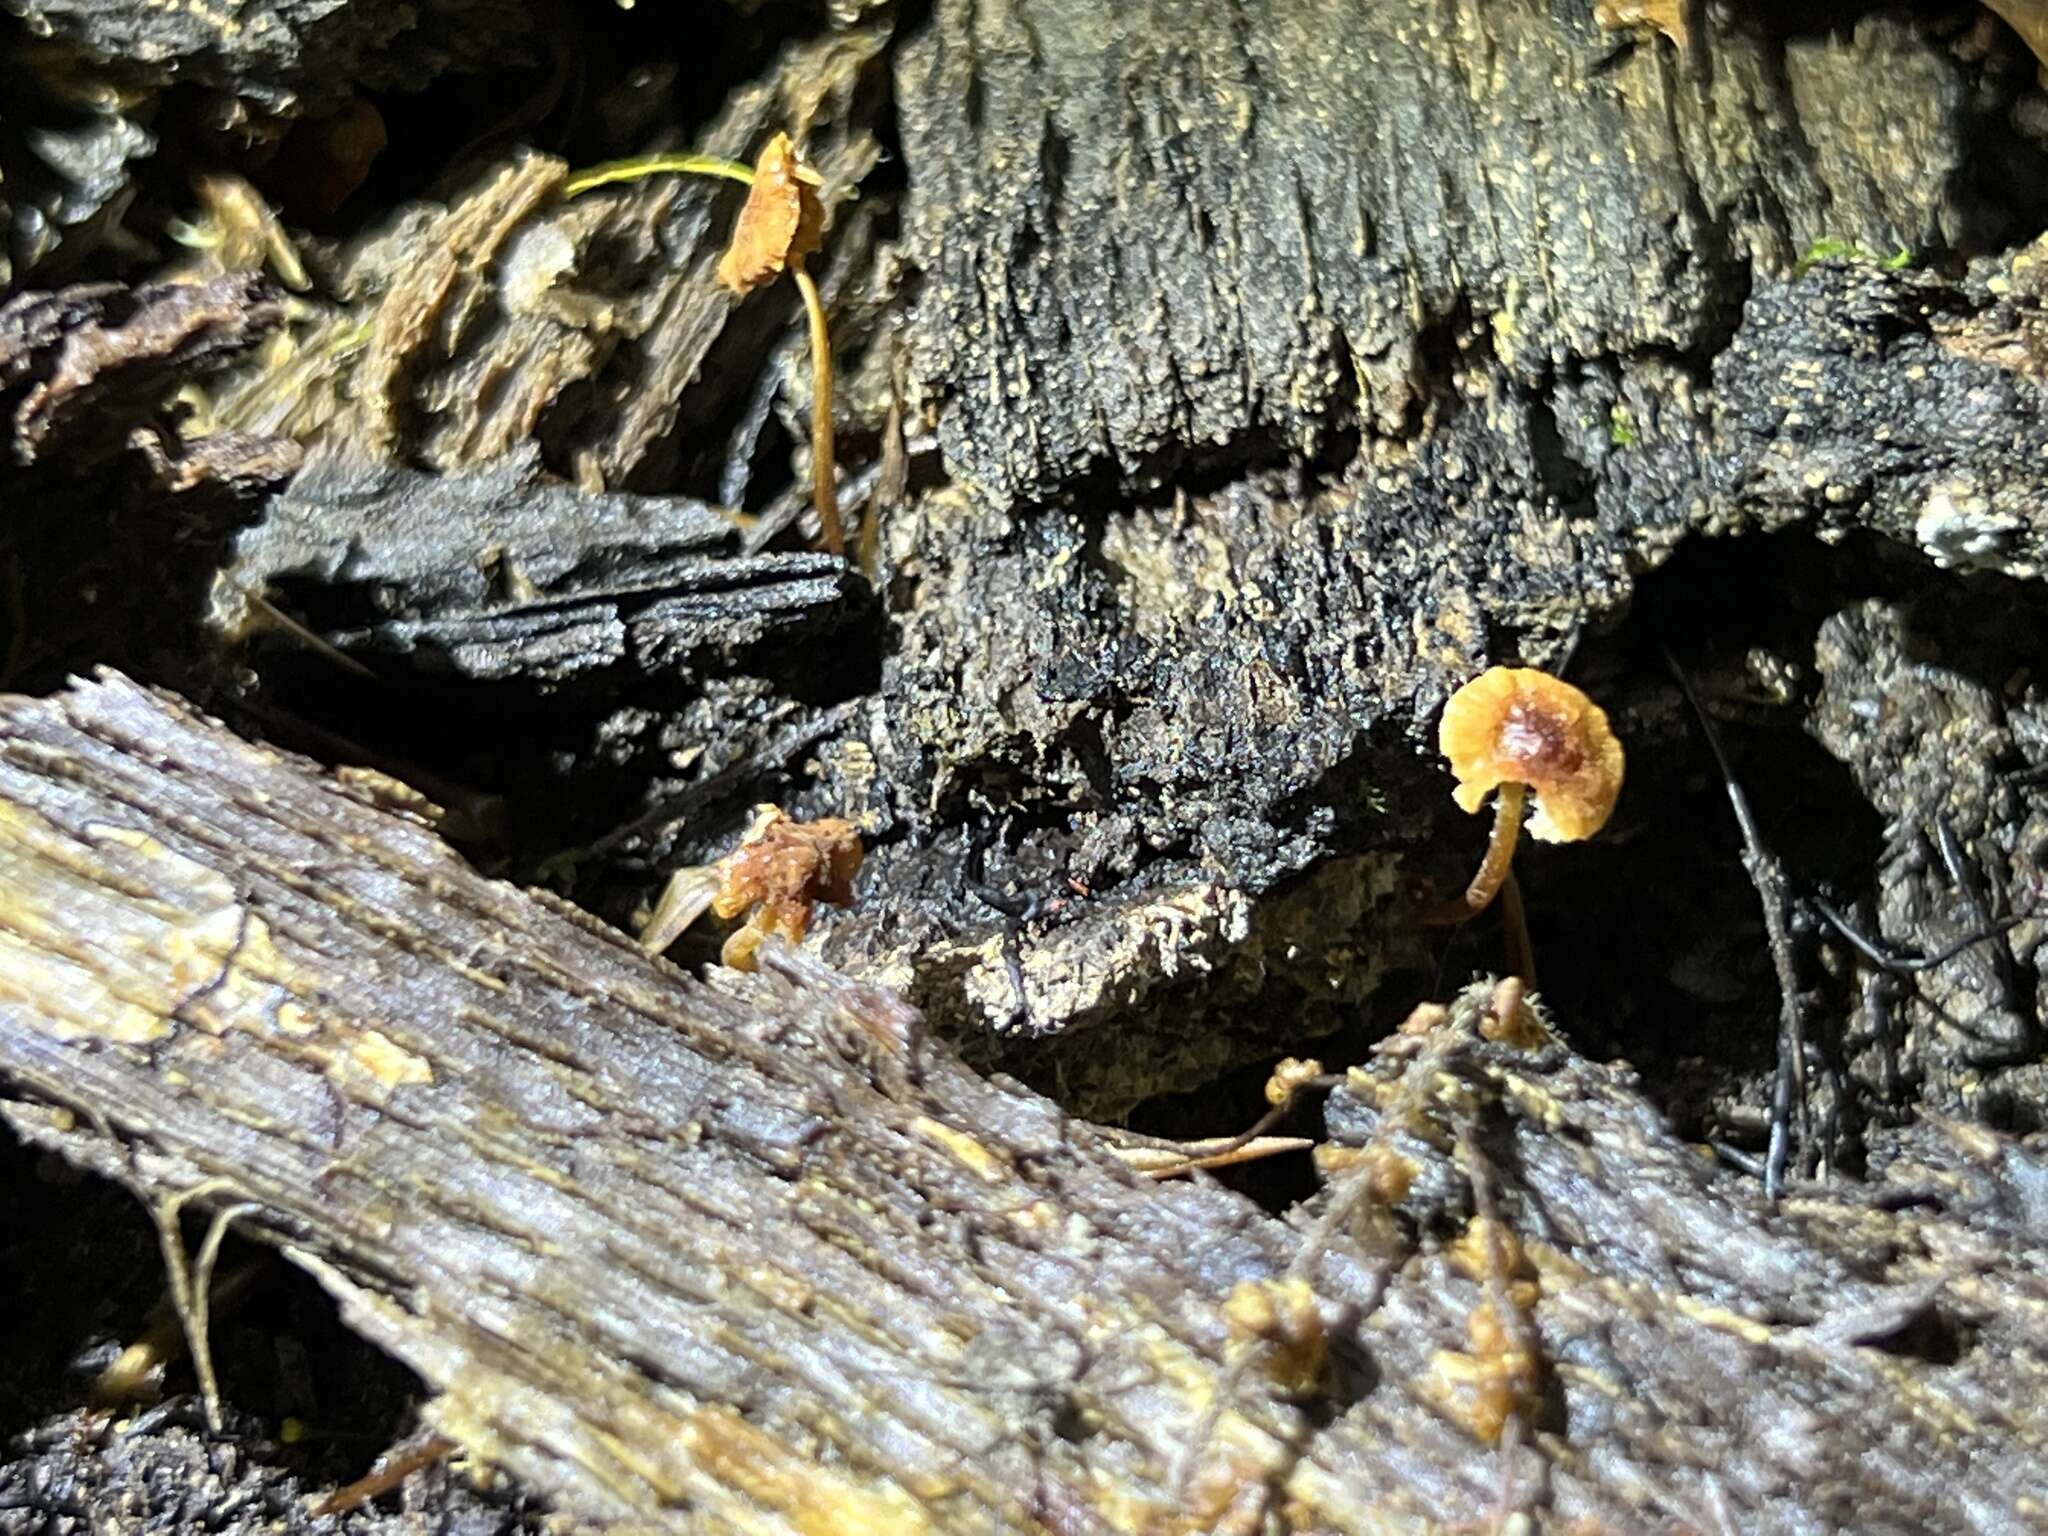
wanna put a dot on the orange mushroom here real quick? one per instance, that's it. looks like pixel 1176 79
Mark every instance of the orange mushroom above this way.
pixel 780 225
pixel 1517 730
pixel 776 877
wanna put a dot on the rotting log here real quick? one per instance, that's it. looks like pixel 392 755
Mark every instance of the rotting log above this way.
pixel 1267 369
pixel 761 1252
pixel 755 1254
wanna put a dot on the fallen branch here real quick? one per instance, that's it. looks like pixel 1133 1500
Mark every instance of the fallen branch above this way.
pixel 752 1254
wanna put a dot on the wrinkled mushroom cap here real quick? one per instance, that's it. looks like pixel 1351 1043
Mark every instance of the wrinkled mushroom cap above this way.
pixel 1519 725
pixel 779 873
pixel 780 223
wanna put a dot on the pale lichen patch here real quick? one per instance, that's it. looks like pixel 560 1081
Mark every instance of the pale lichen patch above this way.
pixel 382 1059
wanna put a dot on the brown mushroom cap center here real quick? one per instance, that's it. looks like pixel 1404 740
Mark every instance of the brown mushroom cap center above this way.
pixel 1541 746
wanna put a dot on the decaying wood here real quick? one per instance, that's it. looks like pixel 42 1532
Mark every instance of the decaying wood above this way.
pixel 1949 760
pixel 756 1254
pixel 500 574
pixel 1253 225
pixel 85 86
pixel 84 369
pixel 289 52
pixel 1266 369
pixel 1294 364
pixel 1269 372
pixel 592 326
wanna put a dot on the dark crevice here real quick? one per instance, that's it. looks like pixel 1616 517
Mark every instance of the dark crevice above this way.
pixel 280 1350
pixel 1691 999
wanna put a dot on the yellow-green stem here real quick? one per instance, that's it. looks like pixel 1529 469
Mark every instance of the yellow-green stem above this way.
pixel 654 165
pixel 824 471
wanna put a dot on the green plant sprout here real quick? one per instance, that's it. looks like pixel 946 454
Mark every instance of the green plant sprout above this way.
pixel 1832 248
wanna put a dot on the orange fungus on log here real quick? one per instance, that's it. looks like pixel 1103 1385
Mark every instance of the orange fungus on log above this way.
pixel 1516 725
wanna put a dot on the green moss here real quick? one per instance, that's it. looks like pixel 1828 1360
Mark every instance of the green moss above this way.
pixel 1621 427
pixel 1832 249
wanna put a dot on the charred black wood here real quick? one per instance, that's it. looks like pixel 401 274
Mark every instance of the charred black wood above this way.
pixel 498 574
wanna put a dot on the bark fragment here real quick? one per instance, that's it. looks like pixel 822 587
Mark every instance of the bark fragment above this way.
pixel 84 368
pixel 285 52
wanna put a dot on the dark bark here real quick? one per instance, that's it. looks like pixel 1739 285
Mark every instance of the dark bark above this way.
pixel 288 52
pixel 1303 363
pixel 385 562
pixel 1147 236
pixel 83 371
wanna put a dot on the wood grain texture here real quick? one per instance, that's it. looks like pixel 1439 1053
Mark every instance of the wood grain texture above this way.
pixel 756 1252
pixel 754 1255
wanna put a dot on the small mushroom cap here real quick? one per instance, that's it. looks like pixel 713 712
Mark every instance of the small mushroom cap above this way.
pixel 779 873
pixel 781 222
pixel 1519 725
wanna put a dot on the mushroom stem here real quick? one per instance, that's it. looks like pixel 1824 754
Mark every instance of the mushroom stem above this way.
pixel 1500 848
pixel 824 472
pixel 653 165
pixel 1515 920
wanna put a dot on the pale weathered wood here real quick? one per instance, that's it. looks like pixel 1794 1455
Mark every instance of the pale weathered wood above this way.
pixel 754 1255
pixel 759 1252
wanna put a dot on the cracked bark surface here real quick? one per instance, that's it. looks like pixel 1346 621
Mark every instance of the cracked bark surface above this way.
pixel 1265 382
pixel 1266 373
pixel 1297 366
pixel 761 1256
pixel 294 51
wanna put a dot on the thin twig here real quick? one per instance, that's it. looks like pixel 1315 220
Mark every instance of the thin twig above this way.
pixel 318 644
pixel 399 1464
pixel 1228 1155
pixel 1906 965
pixel 1219 1154
pixel 202 1305
pixel 192 1315
pixel 1773 890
